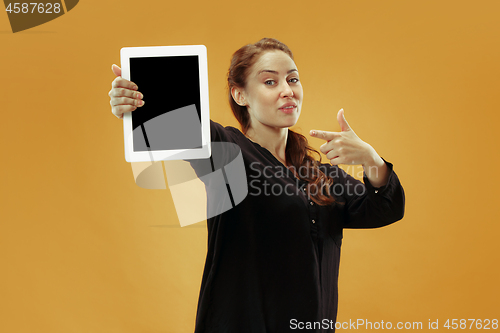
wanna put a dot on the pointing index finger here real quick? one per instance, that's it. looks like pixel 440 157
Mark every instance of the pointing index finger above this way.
pixel 324 135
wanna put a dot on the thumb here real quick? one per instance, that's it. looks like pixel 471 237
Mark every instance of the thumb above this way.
pixel 344 126
pixel 117 70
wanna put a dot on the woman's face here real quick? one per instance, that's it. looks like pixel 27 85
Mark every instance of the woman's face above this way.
pixel 273 92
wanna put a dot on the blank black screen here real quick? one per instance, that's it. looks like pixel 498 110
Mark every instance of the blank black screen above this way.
pixel 167 83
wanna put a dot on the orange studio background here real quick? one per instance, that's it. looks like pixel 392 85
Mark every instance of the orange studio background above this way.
pixel 83 249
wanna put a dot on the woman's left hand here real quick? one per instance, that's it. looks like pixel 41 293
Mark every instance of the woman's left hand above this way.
pixel 345 147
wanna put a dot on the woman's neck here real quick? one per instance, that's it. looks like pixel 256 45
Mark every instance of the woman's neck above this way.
pixel 272 138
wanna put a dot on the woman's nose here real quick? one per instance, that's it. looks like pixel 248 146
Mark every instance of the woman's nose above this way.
pixel 286 90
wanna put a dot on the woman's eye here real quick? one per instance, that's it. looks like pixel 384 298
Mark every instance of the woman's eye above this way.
pixel 270 82
pixel 294 80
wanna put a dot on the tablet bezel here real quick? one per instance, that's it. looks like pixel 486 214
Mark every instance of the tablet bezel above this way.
pixel 126 54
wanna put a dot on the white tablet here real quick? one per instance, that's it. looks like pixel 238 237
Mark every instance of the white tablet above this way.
pixel 174 122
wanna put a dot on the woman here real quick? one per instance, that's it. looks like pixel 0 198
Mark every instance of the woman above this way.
pixel 272 261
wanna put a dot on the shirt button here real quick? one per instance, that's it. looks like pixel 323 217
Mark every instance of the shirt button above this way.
pixel 312 203
pixel 313 221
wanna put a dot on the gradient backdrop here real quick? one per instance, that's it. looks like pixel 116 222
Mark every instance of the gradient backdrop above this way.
pixel 83 249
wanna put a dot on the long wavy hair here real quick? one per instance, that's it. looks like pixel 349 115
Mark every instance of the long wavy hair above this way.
pixel 299 155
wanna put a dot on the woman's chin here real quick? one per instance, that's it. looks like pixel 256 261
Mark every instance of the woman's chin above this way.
pixel 291 122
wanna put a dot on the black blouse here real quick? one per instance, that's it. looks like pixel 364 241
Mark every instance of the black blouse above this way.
pixel 273 260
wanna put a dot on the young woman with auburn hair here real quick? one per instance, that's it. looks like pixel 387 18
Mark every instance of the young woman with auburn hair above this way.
pixel 272 261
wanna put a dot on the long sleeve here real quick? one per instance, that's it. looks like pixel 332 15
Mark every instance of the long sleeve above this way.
pixel 370 207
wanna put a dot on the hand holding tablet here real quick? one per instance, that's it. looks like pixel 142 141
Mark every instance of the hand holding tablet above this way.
pixel 124 95
pixel 175 123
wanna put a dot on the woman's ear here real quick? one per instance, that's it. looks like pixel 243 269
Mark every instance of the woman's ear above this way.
pixel 238 96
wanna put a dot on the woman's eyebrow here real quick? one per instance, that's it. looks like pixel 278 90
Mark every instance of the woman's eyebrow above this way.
pixel 275 72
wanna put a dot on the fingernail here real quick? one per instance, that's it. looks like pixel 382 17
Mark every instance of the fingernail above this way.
pixel 141 103
pixel 313 132
pixel 135 87
pixel 138 95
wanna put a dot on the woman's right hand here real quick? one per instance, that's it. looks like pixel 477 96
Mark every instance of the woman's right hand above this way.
pixel 124 95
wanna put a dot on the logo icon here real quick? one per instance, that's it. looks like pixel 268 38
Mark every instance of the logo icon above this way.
pixel 200 188
pixel 26 15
